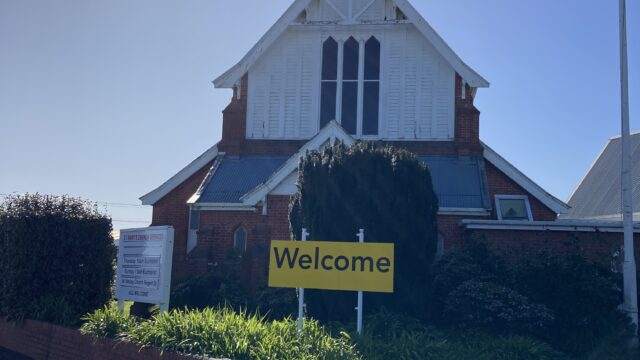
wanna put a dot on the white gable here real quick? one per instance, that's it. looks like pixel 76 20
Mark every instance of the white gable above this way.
pixel 349 10
pixel 339 11
pixel 416 96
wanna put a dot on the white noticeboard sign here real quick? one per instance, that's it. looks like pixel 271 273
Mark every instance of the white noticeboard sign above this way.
pixel 144 265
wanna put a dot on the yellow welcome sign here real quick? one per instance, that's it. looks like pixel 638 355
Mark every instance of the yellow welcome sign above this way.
pixel 331 265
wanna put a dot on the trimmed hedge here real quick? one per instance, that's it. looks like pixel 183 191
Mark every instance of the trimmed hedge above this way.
pixel 57 258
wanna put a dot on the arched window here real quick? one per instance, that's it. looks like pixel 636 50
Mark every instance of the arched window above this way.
pixel 349 118
pixel 240 240
pixel 371 87
pixel 329 81
pixel 350 89
pixel 440 246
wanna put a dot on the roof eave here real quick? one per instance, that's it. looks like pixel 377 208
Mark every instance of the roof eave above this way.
pixel 161 191
pixel 331 132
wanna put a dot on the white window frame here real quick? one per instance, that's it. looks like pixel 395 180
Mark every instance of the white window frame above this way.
pixel 192 234
pixel 341 38
pixel 513 197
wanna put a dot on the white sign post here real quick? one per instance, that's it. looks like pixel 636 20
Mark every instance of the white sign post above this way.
pixel 301 292
pixel 360 235
pixel 144 266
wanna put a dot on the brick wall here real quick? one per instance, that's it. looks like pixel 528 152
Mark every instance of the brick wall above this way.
pixel 598 246
pixel 172 210
pixel 501 184
pixel 40 340
pixel 217 229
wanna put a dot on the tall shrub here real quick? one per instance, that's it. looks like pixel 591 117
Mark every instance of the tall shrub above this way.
pixel 583 295
pixel 474 261
pixel 56 258
pixel 388 193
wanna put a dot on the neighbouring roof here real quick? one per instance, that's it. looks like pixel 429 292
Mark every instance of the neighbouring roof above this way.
pixel 459 182
pixel 234 177
pixel 233 75
pixel 182 175
pixel 599 194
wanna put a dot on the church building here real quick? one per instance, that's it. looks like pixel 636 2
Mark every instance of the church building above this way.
pixel 351 70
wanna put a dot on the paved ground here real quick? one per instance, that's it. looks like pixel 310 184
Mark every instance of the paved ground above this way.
pixel 10 355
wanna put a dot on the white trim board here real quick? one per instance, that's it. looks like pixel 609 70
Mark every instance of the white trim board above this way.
pixel 182 175
pixel 525 198
pixel 558 225
pixel 521 179
pixel 223 207
pixel 232 76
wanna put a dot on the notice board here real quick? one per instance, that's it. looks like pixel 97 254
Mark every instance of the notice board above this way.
pixel 144 265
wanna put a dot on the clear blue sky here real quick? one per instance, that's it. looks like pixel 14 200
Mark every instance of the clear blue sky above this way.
pixel 108 99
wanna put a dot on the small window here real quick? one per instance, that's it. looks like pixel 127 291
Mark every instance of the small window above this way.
pixel 240 240
pixel 513 207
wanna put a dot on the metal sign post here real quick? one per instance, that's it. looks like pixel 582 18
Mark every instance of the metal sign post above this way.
pixel 629 266
pixel 360 235
pixel 301 292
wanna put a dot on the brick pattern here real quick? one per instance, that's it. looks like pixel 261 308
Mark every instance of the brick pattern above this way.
pixel 40 340
pixel 501 184
pixel 597 246
pixel 467 121
pixel 173 210
pixel 217 230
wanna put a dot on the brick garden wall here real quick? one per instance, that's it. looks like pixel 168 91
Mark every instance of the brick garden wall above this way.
pixel 40 340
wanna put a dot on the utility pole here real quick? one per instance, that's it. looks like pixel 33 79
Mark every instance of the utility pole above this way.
pixel 629 266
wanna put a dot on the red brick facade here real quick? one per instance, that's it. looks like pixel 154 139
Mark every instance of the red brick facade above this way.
pixel 215 237
pixel 172 210
pixel 217 229
pixel 598 246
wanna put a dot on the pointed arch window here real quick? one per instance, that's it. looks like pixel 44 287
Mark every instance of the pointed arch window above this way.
pixel 240 240
pixel 350 89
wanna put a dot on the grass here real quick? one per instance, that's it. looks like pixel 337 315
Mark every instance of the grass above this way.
pixel 127 306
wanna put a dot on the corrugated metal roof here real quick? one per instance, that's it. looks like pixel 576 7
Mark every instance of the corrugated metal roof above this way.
pixel 599 195
pixel 459 182
pixel 235 177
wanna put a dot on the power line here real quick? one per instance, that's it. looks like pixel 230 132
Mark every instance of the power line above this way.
pixel 119 204
pixel 107 203
pixel 132 221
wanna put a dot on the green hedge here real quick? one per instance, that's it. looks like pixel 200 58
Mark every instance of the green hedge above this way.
pixel 56 258
pixel 565 300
